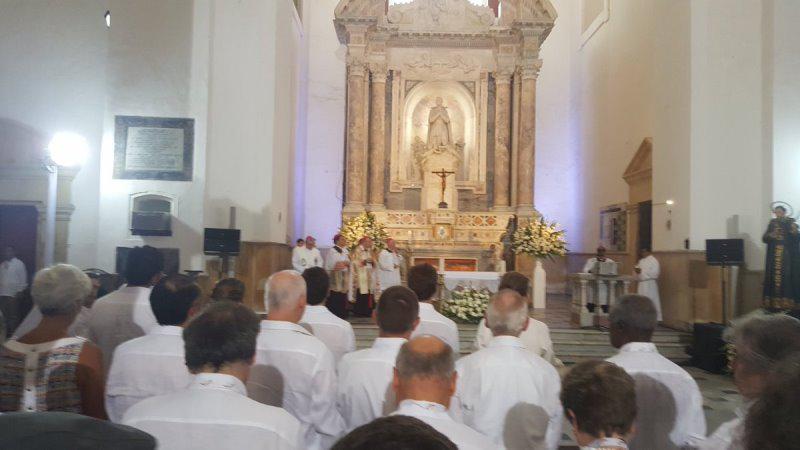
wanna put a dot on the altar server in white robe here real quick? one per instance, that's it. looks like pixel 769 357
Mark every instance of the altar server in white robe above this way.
pixel 423 280
pixel 506 375
pixel 365 376
pixel 670 405
pixel 424 382
pixel 307 255
pixel 389 265
pixel 647 271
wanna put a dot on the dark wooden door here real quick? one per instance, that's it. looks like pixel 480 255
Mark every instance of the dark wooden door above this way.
pixel 18 228
pixel 646 225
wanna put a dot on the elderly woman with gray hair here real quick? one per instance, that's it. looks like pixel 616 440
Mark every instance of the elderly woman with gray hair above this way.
pixel 46 370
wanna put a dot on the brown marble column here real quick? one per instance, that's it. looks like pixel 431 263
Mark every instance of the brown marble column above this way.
pixel 377 138
pixel 527 140
pixel 356 160
pixel 502 141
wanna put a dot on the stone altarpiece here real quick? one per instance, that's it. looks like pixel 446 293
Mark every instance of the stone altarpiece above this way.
pixel 442 84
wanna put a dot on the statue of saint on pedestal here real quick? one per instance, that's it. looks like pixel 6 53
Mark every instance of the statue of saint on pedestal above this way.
pixel 439 130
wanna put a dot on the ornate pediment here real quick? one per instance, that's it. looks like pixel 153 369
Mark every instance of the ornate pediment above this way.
pixel 357 13
pixel 445 16
pixel 642 163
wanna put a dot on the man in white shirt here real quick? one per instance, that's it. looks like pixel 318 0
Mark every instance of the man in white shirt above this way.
pixel 335 333
pixel 154 364
pixel 647 271
pixel 389 266
pixel 306 256
pixel 424 381
pixel 214 412
pixel 536 336
pixel 670 405
pixel 13 278
pixel 294 369
pixel 126 314
pixel 337 263
pixel 761 342
pixel 365 376
pixel 507 375
pixel 423 280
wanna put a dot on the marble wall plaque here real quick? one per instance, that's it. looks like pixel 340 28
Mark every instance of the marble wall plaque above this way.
pixel 153 148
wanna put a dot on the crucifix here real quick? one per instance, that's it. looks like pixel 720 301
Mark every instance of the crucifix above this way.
pixel 443 175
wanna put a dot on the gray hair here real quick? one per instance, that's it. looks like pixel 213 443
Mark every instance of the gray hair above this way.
pixel 284 289
pixel 634 312
pixel 762 340
pixel 440 364
pixel 507 313
pixel 60 290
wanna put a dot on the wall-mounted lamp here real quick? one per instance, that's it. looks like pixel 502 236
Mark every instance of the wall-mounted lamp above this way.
pixel 669 203
pixel 107 16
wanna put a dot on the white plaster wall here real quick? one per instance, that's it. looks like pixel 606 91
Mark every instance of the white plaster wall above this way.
pixel 325 124
pixel 52 79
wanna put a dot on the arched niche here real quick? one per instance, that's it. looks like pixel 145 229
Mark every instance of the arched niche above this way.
pixel 151 214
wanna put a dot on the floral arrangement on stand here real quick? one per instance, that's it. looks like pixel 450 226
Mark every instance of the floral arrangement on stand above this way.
pixel 364 224
pixel 540 239
pixel 466 305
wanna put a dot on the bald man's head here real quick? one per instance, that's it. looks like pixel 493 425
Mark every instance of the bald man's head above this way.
pixel 507 314
pixel 285 296
pixel 425 370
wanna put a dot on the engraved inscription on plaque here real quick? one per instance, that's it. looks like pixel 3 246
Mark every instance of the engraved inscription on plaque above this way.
pixel 153 148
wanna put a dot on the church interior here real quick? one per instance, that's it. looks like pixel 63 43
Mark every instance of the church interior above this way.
pixel 222 132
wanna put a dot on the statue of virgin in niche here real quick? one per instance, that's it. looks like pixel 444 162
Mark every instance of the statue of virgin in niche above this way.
pixel 439 130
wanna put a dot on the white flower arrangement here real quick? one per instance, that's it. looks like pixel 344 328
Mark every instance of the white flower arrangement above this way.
pixel 540 239
pixel 466 305
pixel 364 224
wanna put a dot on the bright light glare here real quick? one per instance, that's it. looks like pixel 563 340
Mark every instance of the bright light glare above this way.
pixel 108 19
pixel 68 149
pixel 670 202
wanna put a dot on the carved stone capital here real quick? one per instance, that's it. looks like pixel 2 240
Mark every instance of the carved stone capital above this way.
pixel 379 72
pixel 356 66
pixel 530 70
pixel 503 76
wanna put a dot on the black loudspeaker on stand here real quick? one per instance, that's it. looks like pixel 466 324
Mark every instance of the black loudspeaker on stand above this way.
pixel 725 253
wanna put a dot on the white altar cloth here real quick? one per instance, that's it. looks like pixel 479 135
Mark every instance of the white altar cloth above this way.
pixel 474 280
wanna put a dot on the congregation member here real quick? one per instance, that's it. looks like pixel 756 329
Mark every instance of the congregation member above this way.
pixel 13 279
pixel 599 401
pixel 46 369
pixel 389 262
pixel 365 376
pixel 670 404
pixel 536 335
pixel 337 334
pixel 365 283
pixel 760 342
pixel 772 421
pixel 423 280
pixel 294 369
pixel 126 314
pixel 506 374
pixel 306 256
pixel 337 263
pixel 395 433
pixel 424 382
pixel 647 271
pixel 154 364
pixel 214 411
pixel 230 289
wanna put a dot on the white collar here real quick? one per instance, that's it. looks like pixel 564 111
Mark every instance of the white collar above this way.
pixel 426 306
pixel 507 341
pixel 282 325
pixel 410 407
pixel 388 342
pixel 218 381
pixel 639 347
pixel 317 308
pixel 166 330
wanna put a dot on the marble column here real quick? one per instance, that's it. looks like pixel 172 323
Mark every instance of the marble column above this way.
pixel 355 186
pixel 527 141
pixel 377 138
pixel 502 141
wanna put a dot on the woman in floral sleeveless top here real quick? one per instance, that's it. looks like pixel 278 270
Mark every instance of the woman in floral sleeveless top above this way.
pixel 46 370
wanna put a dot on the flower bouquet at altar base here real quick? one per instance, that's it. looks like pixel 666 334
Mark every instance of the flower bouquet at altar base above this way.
pixel 364 224
pixel 540 239
pixel 466 305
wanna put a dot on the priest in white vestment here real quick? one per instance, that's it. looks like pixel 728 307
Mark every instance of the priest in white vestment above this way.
pixel 389 265
pixel 647 271
pixel 365 282
pixel 337 263
pixel 306 256
pixel 600 295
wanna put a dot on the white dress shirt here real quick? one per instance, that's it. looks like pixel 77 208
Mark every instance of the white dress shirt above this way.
pixel 663 389
pixel 536 338
pixel 295 370
pixel 13 277
pixel 729 435
pixel 388 269
pixel 304 258
pixel 648 281
pixel 214 413
pixel 435 324
pixel 79 327
pixel 365 379
pixel 337 334
pixel 145 367
pixel 503 375
pixel 120 316
pixel 436 416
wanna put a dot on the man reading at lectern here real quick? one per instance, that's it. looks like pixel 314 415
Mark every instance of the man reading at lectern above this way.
pixel 439 134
